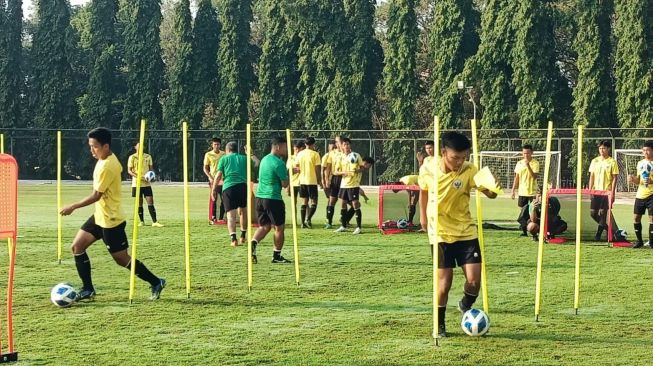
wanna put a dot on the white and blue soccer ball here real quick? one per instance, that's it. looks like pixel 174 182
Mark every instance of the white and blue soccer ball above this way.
pixel 63 295
pixel 352 157
pixel 475 322
pixel 622 233
pixel 645 166
pixel 149 176
pixel 402 223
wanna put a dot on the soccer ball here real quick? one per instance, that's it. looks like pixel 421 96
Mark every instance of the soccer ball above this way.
pixel 475 322
pixel 645 166
pixel 352 157
pixel 622 234
pixel 63 295
pixel 402 223
pixel 149 176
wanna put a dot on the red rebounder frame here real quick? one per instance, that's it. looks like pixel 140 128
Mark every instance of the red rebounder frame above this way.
pixel 9 230
pixel 392 187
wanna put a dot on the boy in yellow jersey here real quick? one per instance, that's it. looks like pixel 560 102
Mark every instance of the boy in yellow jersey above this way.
pixel 603 177
pixel 146 187
pixel 310 172
pixel 108 222
pixel 457 235
pixel 352 166
pixel 335 165
pixel 293 163
pixel 326 170
pixel 425 177
pixel 413 196
pixel 525 180
pixel 644 197
pixel 211 160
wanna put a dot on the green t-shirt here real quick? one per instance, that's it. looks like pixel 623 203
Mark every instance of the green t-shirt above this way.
pixel 234 169
pixel 271 172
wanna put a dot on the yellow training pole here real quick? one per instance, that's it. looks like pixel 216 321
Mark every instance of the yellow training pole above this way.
pixel 479 220
pixel 433 197
pixel 248 139
pixel 184 138
pixel 59 204
pixel 545 207
pixel 2 143
pixel 139 174
pixel 579 178
pixel 293 214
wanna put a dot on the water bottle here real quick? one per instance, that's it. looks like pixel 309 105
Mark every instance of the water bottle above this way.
pixel 645 175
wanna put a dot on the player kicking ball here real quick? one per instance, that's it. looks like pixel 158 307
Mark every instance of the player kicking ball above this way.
pixel 457 238
pixel 107 223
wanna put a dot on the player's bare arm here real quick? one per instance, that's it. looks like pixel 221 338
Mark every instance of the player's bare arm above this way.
pixel 91 199
pixel 515 186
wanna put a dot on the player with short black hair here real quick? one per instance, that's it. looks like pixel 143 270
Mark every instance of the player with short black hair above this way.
pixel 211 160
pixel 456 238
pixel 146 187
pixel 335 165
pixel 424 179
pixel 352 165
pixel 525 182
pixel 310 170
pixel 555 224
pixel 108 222
pixel 293 164
pixel 603 177
pixel 644 196
pixel 270 209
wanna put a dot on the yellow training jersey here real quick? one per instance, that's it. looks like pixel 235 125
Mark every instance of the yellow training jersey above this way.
pixel 527 184
pixel 294 178
pixel 604 171
pixel 644 190
pixel 351 181
pixel 211 159
pixel 335 159
pixel 425 177
pixel 132 164
pixel 308 159
pixel 409 180
pixel 454 219
pixel 106 180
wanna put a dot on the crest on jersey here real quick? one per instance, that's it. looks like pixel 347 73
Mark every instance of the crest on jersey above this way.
pixel 457 183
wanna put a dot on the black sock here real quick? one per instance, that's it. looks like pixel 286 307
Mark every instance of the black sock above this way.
pixel 442 310
pixel 468 300
pixel 144 274
pixel 254 244
pixel 83 264
pixel 140 213
pixel 276 254
pixel 329 215
pixel 350 214
pixel 152 212
pixel 599 230
pixel 243 234
pixel 303 213
pixel 311 212
pixel 214 207
pixel 638 231
pixel 343 216
pixel 233 237
pixel 411 213
pixel 359 217
pixel 221 210
pixel 650 233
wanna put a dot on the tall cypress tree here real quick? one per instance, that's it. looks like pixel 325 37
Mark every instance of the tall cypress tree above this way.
pixel 594 91
pixel 278 74
pixel 143 64
pixel 453 39
pixel 633 63
pixel 235 58
pixel 206 38
pixel 400 83
pixel 11 76
pixel 5 119
pixel 180 103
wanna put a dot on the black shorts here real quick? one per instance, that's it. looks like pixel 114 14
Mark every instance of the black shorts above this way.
pixel 114 238
pixel 235 197
pixel 334 186
pixel 308 191
pixel 145 192
pixel 459 253
pixel 349 194
pixel 524 200
pixel 295 190
pixel 269 211
pixel 599 203
pixel 642 204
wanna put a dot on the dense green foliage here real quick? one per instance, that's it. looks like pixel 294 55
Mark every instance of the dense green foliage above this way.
pixel 11 25
pixel 206 38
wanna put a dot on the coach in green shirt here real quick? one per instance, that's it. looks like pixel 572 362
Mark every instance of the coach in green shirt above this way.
pixel 270 209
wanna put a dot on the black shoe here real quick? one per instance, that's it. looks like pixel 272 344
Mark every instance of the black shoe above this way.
pixel 85 294
pixel 442 331
pixel 281 259
pixel 638 245
pixel 597 237
pixel 462 308
pixel 156 289
pixel 523 234
pixel 304 226
pixel 254 259
pixel 535 238
pixel 308 224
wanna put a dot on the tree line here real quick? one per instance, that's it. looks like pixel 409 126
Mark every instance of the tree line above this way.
pixel 316 64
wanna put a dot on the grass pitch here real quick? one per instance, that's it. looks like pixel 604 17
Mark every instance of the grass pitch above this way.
pixel 363 300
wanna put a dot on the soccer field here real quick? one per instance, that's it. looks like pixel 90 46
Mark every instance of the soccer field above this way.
pixel 363 300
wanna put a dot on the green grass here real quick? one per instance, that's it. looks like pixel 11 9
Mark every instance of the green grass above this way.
pixel 362 301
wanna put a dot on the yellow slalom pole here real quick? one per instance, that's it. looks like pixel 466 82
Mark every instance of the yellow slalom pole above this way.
pixel 545 208
pixel 479 221
pixel 59 199
pixel 433 197
pixel 2 143
pixel 293 214
pixel 248 140
pixel 579 178
pixel 184 138
pixel 139 174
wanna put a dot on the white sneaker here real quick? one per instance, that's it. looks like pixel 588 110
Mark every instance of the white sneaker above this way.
pixel 647 244
pixel 357 231
pixel 340 229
